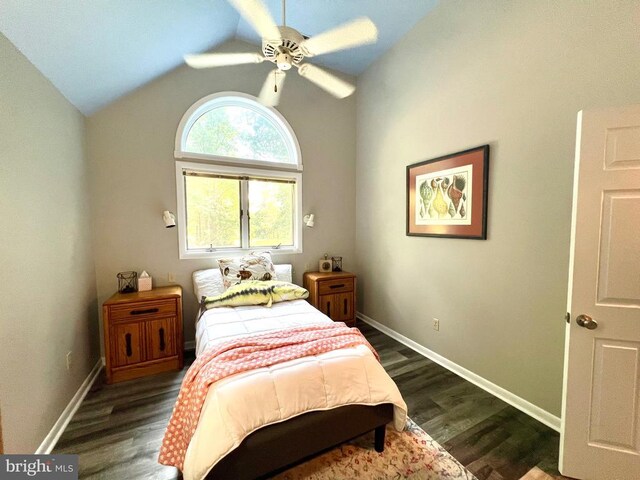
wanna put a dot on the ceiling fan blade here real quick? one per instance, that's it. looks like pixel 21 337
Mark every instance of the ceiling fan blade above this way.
pixel 207 60
pixel 358 32
pixel 332 84
pixel 272 88
pixel 257 15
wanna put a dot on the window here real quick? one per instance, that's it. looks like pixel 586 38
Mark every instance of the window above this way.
pixel 248 193
pixel 235 128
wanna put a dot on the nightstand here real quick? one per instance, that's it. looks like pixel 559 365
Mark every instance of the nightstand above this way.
pixel 143 333
pixel 334 294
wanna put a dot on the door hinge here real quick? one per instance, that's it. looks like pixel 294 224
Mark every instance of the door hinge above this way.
pixel 567 317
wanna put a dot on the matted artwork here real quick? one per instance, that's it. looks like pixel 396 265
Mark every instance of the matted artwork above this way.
pixel 447 196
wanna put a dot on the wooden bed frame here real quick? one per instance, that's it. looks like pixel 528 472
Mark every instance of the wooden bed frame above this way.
pixel 270 449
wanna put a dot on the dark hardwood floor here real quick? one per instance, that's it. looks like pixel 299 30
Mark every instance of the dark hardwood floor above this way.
pixel 118 429
pixel 494 440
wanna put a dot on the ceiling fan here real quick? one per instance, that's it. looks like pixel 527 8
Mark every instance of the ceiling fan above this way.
pixel 286 48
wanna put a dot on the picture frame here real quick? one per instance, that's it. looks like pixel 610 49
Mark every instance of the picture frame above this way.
pixel 447 196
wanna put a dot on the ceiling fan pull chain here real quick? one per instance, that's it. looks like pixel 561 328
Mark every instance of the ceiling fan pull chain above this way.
pixel 275 81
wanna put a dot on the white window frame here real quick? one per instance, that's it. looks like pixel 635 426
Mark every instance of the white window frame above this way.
pixel 250 102
pixel 215 164
pixel 234 170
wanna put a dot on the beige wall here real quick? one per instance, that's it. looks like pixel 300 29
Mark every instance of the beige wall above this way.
pixel 48 295
pixel 131 146
pixel 512 74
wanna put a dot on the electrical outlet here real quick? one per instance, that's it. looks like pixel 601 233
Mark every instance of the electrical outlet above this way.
pixel 171 277
pixel 436 324
pixel 69 359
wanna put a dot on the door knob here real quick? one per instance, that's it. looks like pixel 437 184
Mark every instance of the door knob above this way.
pixel 587 322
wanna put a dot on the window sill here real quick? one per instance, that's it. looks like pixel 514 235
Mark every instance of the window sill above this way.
pixel 237 252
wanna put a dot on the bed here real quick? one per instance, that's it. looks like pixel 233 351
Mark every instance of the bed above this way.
pixel 257 422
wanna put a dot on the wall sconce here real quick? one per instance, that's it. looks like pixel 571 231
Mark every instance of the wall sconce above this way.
pixel 169 219
pixel 309 220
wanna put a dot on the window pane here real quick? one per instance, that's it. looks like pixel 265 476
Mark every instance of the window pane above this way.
pixel 213 212
pixel 239 132
pixel 271 212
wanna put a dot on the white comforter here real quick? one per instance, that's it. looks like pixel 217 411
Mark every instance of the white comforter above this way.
pixel 238 405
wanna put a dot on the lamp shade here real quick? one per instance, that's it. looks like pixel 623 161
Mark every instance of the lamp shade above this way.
pixel 169 219
pixel 309 220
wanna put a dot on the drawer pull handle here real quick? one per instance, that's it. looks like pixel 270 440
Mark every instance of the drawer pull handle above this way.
pixel 345 306
pixel 337 286
pixel 127 339
pixel 142 312
pixel 162 344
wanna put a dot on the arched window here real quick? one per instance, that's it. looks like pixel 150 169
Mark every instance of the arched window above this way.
pixel 248 193
pixel 234 127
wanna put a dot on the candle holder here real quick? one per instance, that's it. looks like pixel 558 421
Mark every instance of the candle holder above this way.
pixel 127 282
pixel 337 264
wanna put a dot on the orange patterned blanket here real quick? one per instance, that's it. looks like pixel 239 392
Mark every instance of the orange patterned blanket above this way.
pixel 240 355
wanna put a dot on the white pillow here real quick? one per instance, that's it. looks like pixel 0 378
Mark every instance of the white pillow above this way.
pixel 208 283
pixel 283 273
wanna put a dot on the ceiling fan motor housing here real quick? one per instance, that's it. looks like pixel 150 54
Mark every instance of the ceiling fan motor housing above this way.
pixel 285 51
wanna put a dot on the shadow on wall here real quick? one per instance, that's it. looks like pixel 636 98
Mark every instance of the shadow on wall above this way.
pixel 93 326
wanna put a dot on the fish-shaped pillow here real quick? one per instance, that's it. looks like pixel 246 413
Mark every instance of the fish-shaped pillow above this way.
pixel 256 292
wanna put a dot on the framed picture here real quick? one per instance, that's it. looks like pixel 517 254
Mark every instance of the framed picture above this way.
pixel 447 196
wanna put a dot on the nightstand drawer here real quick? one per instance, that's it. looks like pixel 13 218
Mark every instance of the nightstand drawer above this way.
pixel 131 311
pixel 338 285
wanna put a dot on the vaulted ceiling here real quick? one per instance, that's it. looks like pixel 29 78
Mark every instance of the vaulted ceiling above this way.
pixel 95 51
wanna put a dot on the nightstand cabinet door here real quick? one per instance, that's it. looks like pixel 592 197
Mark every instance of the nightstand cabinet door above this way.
pixel 127 344
pixel 342 308
pixel 161 338
pixel 326 305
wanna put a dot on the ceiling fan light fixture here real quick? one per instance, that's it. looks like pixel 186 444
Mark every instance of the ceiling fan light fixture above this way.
pixel 284 61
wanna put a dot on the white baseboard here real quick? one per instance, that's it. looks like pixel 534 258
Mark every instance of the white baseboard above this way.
pixel 58 428
pixel 520 403
pixel 190 345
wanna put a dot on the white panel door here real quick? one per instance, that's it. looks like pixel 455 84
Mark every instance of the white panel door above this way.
pixel 600 438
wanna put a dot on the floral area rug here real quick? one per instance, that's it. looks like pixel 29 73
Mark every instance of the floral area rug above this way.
pixel 410 454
